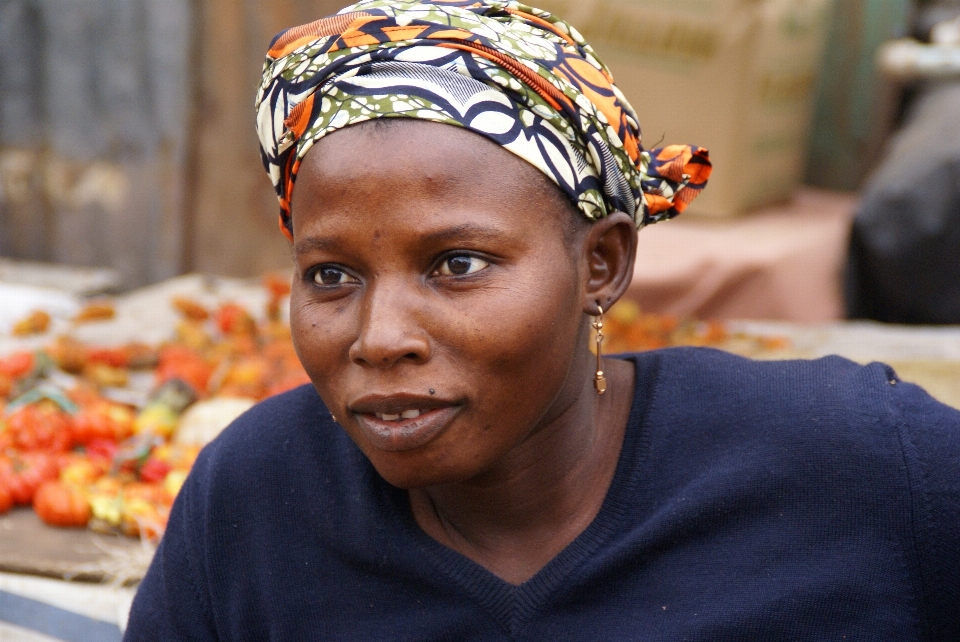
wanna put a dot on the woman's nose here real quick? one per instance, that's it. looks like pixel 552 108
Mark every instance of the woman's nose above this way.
pixel 390 329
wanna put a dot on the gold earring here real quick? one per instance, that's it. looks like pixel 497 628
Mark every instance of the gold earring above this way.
pixel 599 381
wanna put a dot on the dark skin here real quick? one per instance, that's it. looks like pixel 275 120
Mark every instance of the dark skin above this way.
pixel 442 306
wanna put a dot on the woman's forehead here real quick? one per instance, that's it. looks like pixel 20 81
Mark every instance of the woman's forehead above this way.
pixel 418 146
pixel 418 178
pixel 416 157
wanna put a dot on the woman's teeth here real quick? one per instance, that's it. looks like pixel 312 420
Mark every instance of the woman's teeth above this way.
pixel 406 414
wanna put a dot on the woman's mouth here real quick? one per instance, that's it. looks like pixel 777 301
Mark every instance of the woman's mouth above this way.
pixel 404 429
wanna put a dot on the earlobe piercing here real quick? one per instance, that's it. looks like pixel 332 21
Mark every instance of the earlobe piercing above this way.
pixel 599 381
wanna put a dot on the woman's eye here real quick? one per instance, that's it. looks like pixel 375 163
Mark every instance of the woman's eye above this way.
pixel 462 264
pixel 332 276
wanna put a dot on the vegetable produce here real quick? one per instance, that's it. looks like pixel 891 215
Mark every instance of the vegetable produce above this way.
pixel 61 504
pixel 84 455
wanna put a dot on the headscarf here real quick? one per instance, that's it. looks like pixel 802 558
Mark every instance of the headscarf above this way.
pixel 515 74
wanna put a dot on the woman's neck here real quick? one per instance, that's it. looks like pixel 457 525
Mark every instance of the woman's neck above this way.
pixel 516 518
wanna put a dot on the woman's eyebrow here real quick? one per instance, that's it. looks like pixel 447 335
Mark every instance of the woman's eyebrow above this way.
pixel 464 232
pixel 313 243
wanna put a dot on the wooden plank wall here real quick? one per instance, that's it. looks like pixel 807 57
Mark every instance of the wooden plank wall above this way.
pixel 94 105
pixel 127 134
pixel 235 215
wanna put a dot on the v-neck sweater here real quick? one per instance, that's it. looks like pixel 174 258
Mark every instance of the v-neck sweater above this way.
pixel 783 500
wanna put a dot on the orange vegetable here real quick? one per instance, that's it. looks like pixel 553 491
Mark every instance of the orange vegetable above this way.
pixel 22 475
pixel 69 354
pixel 96 311
pixel 83 472
pixel 190 309
pixel 6 499
pixel 60 504
pixel 36 323
pixel 180 362
pixel 40 426
pixel 17 364
pixel 103 420
pixel 232 318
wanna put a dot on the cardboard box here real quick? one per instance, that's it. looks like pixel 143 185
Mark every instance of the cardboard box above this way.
pixel 735 76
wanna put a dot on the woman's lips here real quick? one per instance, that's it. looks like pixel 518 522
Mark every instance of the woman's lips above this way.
pixel 405 433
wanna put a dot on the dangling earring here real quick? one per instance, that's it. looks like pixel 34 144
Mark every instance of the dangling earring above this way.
pixel 599 381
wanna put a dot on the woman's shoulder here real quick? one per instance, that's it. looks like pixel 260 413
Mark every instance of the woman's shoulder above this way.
pixel 830 404
pixel 827 385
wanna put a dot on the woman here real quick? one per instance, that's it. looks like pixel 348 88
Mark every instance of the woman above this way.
pixel 468 186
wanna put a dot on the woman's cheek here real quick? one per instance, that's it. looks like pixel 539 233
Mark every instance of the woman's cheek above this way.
pixel 315 335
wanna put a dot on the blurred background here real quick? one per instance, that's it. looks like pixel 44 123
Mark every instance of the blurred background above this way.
pixel 127 142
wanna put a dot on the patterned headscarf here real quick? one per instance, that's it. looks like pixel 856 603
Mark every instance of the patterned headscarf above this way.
pixel 514 74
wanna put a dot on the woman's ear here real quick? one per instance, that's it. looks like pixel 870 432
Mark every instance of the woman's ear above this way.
pixel 609 249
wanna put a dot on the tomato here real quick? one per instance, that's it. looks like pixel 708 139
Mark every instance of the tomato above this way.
pixel 83 471
pixel 17 364
pixel 103 420
pixel 102 450
pixel 113 357
pixel 23 474
pixel 6 499
pixel 246 378
pixel 232 318
pixel 6 439
pixel 154 470
pixel 277 284
pixel 180 362
pixel 40 426
pixel 60 504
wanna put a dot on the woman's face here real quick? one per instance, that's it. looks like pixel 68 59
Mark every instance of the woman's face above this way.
pixel 438 299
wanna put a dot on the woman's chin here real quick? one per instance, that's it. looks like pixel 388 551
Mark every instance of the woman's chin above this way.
pixel 408 473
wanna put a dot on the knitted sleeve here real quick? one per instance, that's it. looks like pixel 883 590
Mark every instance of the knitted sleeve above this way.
pixel 172 603
pixel 930 437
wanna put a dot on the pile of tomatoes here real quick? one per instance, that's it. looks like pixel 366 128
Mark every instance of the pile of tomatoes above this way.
pixel 78 460
pixel 81 457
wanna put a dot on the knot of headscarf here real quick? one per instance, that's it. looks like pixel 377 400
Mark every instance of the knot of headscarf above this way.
pixel 512 73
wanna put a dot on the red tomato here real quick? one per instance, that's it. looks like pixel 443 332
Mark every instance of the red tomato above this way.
pixel 103 420
pixel 23 474
pixel 180 362
pixel 102 450
pixel 60 504
pixel 232 318
pixel 277 284
pixel 6 385
pixel 40 426
pixel 6 499
pixel 17 364
pixel 154 470
pixel 113 357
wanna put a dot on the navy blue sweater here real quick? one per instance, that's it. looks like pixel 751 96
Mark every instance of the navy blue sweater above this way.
pixel 803 500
